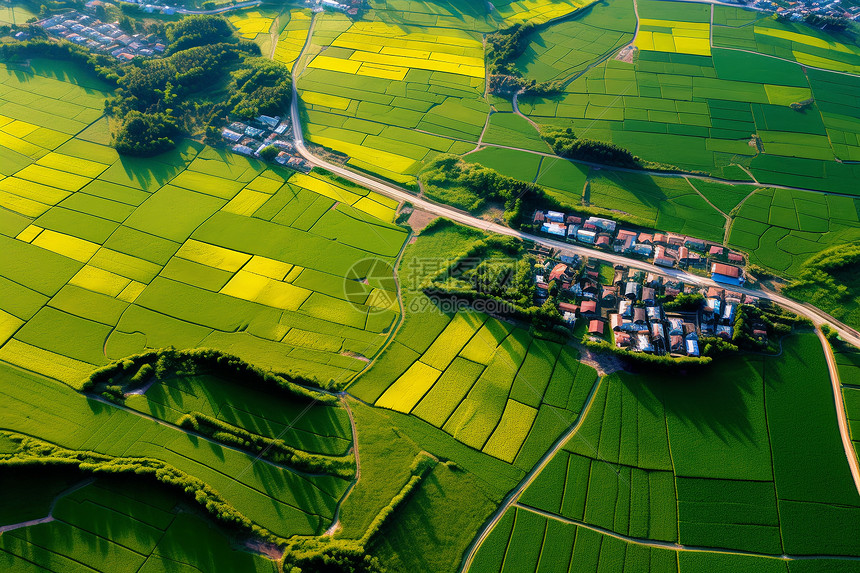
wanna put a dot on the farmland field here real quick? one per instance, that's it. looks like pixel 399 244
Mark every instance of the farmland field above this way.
pixel 481 380
pixel 209 362
pixel 719 464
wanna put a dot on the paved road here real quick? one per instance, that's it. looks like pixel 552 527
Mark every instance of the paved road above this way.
pixel 817 316
pixel 220 10
pixel 840 411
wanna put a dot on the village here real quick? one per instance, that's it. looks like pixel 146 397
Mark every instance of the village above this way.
pixel 639 311
pixel 108 38
pixel 663 249
pixel 252 137
pixel 634 310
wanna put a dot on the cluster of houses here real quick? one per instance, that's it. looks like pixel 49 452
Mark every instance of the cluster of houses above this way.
pixel 665 249
pixel 629 313
pixel 350 7
pixel 797 10
pixel 98 36
pixel 251 137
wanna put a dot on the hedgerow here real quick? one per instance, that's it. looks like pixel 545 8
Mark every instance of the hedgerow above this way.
pixel 37 453
pixel 274 450
pixel 168 362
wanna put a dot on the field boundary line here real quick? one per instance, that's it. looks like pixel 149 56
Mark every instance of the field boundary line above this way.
pixel 512 497
pixel 676 546
pixel 50 517
pixel 840 410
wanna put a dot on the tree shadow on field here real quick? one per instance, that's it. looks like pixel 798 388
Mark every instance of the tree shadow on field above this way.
pixel 714 401
pixel 643 187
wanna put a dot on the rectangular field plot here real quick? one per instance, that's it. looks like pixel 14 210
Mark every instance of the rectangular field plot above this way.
pixel 376 82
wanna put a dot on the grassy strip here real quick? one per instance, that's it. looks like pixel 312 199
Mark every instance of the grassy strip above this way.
pixel 111 380
pixel 273 450
pixel 33 452
pixel 328 554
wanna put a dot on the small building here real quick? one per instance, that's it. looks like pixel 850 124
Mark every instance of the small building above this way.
pixel 653 280
pixel 655 313
pixel 661 259
pixel 675 240
pixel 595 327
pixel 660 239
pixel 649 295
pixel 243 149
pixel 727 274
pixel 736 258
pixel 230 135
pixel 558 271
pixel 676 326
pixel 715 251
pixel 714 292
pixel 643 249
pixel 724 331
pixel 553 228
pixel 694 244
pixel 573 220
pixel 588 307
pixel 692 347
pixel 554 216
pixel 625 234
pixel 645 238
pixel 615 321
pixel 625 309
pixel 271 122
pixel 676 344
pixel 603 224
pixel 608 294
pixel 713 305
pixel 632 290
pixel 567 307
pixel 640 316
pixel 643 343
pixel 602 240
pixel 539 217
pixel 586 236
pixel 622 339
pixel 728 314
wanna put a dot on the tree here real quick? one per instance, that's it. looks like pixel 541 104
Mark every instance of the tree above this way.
pixel 268 153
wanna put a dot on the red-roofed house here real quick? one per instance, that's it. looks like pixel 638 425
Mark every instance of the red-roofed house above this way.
pixel 660 239
pixel 595 327
pixel 736 258
pixel 715 251
pixel 726 273
pixel 645 238
pixel 557 271
pixel 567 307
pixel 588 307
